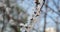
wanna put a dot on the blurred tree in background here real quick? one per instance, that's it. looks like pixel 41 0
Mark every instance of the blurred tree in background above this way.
pixel 11 15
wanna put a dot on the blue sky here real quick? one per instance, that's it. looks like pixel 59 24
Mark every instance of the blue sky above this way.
pixel 29 5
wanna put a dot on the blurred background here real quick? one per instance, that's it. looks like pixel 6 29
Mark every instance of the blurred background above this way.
pixel 14 13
